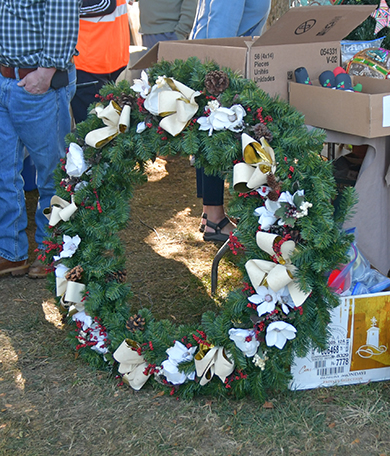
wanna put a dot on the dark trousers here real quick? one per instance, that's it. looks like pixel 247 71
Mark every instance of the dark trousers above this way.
pixel 87 87
pixel 210 188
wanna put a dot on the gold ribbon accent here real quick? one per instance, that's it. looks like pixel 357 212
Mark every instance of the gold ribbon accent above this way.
pixel 210 361
pixel 59 210
pixel 131 364
pixel 116 119
pixel 275 276
pixel 177 105
pixel 259 161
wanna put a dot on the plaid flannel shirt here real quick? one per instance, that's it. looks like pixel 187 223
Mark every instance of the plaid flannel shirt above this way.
pixel 36 33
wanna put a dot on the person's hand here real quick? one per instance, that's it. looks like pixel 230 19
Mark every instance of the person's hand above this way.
pixel 38 81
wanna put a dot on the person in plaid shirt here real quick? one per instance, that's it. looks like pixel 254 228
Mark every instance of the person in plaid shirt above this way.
pixel 37 83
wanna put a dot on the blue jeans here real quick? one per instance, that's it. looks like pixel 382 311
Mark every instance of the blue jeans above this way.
pixel 39 123
pixel 228 18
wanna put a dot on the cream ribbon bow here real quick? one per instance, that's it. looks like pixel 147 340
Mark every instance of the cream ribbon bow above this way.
pixel 72 295
pixel 59 210
pixel 116 119
pixel 259 161
pixel 131 364
pixel 177 106
pixel 275 275
pixel 210 361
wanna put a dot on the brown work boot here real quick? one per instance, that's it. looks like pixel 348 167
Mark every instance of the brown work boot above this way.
pixel 15 268
pixel 37 269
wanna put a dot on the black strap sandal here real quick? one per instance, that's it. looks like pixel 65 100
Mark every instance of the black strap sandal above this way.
pixel 202 226
pixel 218 236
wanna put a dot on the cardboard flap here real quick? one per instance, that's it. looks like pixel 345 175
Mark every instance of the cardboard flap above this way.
pixel 315 24
pixel 219 50
pixel 146 60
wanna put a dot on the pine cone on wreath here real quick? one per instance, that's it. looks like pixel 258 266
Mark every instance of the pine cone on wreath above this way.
pixel 74 274
pixel 125 99
pixel 261 130
pixel 118 276
pixel 135 322
pixel 275 187
pixel 216 82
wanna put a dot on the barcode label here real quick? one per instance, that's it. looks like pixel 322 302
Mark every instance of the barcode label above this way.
pixel 319 364
pixel 330 371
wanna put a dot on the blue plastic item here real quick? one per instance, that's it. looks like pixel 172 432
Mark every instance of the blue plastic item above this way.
pixel 29 174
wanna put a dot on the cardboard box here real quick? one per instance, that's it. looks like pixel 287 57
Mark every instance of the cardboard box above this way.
pixel 365 113
pixel 308 37
pixel 359 347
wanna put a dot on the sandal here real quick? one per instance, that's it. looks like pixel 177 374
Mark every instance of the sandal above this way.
pixel 202 226
pixel 218 236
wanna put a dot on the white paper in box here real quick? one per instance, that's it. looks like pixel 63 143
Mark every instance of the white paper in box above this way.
pixel 358 350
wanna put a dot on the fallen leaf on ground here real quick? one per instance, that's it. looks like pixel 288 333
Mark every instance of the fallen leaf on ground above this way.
pixel 331 425
pixel 161 393
pixel 268 405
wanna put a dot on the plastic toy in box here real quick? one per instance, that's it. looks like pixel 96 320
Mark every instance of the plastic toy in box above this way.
pixel 372 62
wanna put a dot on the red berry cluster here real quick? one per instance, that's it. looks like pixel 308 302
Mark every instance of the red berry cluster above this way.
pixel 234 377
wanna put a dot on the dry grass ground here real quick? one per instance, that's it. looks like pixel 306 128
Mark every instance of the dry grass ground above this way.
pixel 54 404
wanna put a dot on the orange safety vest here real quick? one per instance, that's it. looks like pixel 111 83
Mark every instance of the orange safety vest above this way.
pixel 104 41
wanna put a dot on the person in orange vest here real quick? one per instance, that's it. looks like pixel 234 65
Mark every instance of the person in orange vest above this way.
pixel 103 45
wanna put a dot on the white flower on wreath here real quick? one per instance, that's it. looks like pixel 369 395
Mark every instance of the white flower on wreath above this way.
pixel 142 85
pixel 96 335
pixel 69 247
pixel 278 333
pixel 259 361
pixel 266 214
pixel 285 300
pixel 176 355
pixel 245 340
pixel 151 101
pixel 265 299
pixel 141 127
pixel 263 190
pixel 223 119
pixel 84 318
pixel 302 209
pixel 75 164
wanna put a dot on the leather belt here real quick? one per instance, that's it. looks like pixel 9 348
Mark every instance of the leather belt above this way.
pixel 9 72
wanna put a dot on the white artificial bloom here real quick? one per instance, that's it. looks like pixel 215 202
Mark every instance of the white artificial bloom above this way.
pixel 304 209
pixel 84 318
pixel 141 127
pixel 266 214
pixel 263 190
pixel 278 332
pixel 286 197
pixel 80 185
pixel 60 271
pixel 266 300
pixel 176 355
pixel 213 105
pixel 161 81
pixel 142 85
pixel 285 300
pixel 69 246
pixel 75 165
pixel 259 361
pixel 97 336
pixel 223 119
pixel 245 340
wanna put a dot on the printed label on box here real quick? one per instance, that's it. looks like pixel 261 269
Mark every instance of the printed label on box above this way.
pixel 358 350
pixel 386 111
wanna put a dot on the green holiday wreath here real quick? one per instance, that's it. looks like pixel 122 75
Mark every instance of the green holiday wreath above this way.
pixel 288 237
